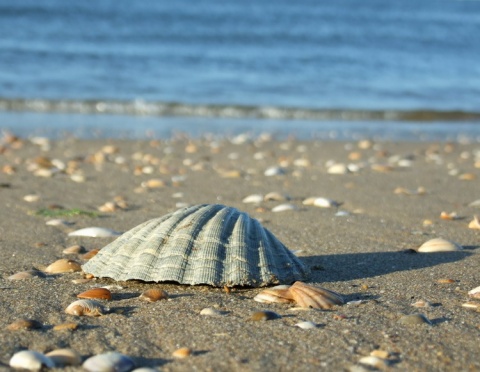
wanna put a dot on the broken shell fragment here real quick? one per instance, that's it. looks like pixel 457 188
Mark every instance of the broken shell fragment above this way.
pixel 475 223
pixel 279 293
pixel 96 294
pixel 183 352
pixel 439 245
pixel 203 244
pixel 30 360
pixel 315 297
pixel 95 232
pixel 474 293
pixel 64 357
pixel 85 308
pixel 65 327
pixel 153 295
pixel 109 362
pixel 63 266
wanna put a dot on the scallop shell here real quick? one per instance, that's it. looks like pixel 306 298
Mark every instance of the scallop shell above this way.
pixel 279 294
pixel 319 298
pixel 204 244
pixel 439 245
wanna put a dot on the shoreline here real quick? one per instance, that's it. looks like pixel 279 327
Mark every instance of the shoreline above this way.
pixel 390 197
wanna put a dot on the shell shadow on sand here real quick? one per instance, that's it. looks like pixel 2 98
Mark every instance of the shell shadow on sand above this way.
pixel 203 244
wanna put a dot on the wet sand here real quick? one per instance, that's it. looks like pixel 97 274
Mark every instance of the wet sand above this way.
pixel 363 252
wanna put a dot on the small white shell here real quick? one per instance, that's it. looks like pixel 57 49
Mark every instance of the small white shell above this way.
pixel 95 232
pixel 58 222
pixel 321 202
pixel 30 360
pixel 254 199
pixel 208 311
pixel 338 168
pixel 306 325
pixel 284 208
pixel 439 245
pixel 475 223
pixel 276 196
pixel 274 171
pixel 109 362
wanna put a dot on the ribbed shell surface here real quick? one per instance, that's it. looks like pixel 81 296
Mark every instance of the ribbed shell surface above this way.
pixel 204 244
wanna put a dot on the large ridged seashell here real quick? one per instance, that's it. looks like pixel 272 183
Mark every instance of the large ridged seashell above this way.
pixel 439 245
pixel 319 298
pixel 204 244
pixel 109 362
pixel 30 360
pixel 85 308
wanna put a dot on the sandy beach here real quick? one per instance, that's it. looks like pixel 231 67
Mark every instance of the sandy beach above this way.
pixel 389 200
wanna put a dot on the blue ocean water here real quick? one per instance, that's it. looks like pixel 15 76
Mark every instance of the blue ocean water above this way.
pixel 289 62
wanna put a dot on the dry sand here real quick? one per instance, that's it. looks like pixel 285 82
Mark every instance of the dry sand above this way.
pixel 362 254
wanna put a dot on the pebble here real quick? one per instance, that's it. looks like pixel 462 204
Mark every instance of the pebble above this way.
pixel 414 319
pixel 264 315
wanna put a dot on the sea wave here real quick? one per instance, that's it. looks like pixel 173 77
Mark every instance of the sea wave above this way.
pixel 156 108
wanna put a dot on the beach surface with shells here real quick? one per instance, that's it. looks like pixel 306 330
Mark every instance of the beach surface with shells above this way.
pixel 354 213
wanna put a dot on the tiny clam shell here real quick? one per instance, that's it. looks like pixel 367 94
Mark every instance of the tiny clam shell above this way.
pixel 315 297
pixel 74 249
pixel 30 360
pixel 64 357
pixel 153 295
pixel 439 245
pixel 284 208
pixel 63 266
pixel 96 294
pixel 109 362
pixel 279 293
pixel 95 232
pixel 29 274
pixel 209 311
pixel 85 307
pixel 474 293
pixel 21 324
pixel 254 199
pixel 306 325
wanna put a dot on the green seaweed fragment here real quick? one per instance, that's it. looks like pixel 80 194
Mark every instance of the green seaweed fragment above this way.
pixel 45 212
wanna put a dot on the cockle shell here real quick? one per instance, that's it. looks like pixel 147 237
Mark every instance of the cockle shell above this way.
pixel 109 362
pixel 96 293
pixel 30 360
pixel 439 245
pixel 203 244
pixel 85 308
pixel 319 298
pixel 63 265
